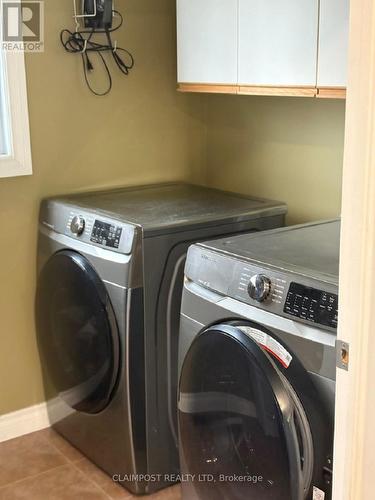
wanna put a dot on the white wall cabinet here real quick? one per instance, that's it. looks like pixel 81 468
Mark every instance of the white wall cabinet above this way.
pixel 278 42
pixel 207 41
pixel 276 47
pixel 333 43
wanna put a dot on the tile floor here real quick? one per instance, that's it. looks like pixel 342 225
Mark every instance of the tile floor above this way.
pixel 43 466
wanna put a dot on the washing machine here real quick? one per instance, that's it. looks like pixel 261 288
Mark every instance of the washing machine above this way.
pixel 110 276
pixel 257 365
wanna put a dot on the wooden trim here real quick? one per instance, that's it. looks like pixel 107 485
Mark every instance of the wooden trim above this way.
pixel 264 90
pixel 247 89
pixel 207 88
pixel 331 93
pixel 277 91
pixel 353 475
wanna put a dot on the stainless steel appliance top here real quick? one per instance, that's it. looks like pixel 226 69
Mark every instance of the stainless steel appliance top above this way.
pixel 291 272
pixel 163 207
pixel 310 250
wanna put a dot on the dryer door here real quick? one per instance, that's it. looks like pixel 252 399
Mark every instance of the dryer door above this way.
pixel 243 431
pixel 77 332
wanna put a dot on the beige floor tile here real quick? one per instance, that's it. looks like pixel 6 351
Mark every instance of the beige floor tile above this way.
pixel 44 466
pixel 26 456
pixel 171 493
pixel 69 452
pixel 62 483
pixel 117 492
pixel 103 480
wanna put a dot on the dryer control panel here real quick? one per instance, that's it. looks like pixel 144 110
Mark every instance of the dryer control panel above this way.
pixel 106 234
pixel 312 304
pixel 89 228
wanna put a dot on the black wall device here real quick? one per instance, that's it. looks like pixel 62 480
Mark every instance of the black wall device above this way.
pixel 93 41
pixel 99 12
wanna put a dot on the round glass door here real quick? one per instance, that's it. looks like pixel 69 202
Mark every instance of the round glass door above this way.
pixel 77 332
pixel 239 433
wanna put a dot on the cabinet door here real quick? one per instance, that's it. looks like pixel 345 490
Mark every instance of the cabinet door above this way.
pixel 207 41
pixel 333 43
pixel 278 42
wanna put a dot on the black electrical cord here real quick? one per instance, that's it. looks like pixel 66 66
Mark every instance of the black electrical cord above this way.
pixel 80 42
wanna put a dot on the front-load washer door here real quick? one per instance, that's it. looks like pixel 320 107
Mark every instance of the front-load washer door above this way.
pixel 77 332
pixel 243 430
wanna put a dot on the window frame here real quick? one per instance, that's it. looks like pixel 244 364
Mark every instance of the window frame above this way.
pixel 19 161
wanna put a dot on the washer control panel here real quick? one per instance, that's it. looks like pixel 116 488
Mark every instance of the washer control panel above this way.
pixel 271 289
pixel 251 283
pixel 311 304
pixel 106 234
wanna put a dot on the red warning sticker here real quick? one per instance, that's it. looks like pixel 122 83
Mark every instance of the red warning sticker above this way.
pixel 269 344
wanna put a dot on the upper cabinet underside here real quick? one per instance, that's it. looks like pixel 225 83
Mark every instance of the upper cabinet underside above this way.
pixel 263 47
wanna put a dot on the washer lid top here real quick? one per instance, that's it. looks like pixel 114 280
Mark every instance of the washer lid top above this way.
pixel 311 249
pixel 162 207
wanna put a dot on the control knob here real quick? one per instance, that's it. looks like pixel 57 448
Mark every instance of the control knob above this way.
pixel 77 225
pixel 259 287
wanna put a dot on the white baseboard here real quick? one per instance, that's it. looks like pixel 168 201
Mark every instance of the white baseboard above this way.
pixel 23 421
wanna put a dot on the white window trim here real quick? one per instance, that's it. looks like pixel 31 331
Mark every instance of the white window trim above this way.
pixel 19 161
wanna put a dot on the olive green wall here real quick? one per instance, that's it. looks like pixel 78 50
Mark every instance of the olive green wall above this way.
pixel 284 148
pixel 143 132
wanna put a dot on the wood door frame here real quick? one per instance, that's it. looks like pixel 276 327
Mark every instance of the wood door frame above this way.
pixel 354 462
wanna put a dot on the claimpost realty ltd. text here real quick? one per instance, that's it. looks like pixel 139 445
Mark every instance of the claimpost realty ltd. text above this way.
pixel 186 478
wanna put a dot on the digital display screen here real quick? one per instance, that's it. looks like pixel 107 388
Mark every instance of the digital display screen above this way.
pixel 106 234
pixel 312 304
